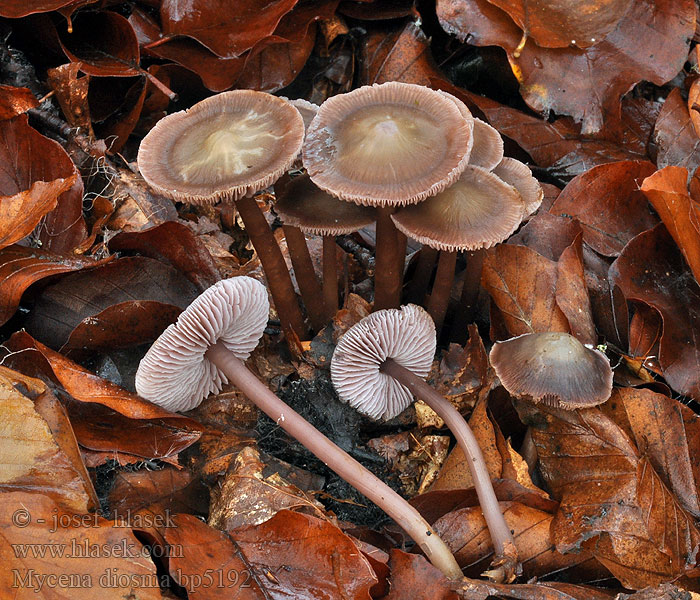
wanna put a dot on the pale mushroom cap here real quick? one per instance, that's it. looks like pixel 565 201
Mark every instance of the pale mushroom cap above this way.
pixel 478 211
pixel 389 144
pixel 487 145
pixel 519 175
pixel 487 150
pixel 308 110
pixel 407 335
pixel 314 211
pixel 175 373
pixel 224 147
pixel 554 368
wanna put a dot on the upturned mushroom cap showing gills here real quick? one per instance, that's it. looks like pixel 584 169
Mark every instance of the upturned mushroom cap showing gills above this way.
pixel 519 175
pixel 175 374
pixel 554 368
pixel 407 335
pixel 389 144
pixel 306 206
pixel 223 147
pixel 478 211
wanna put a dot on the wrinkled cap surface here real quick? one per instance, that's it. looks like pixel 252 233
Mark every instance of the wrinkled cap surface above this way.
pixel 389 144
pixel 554 368
pixel 478 211
pixel 175 374
pixel 223 147
pixel 519 176
pixel 407 335
pixel 304 205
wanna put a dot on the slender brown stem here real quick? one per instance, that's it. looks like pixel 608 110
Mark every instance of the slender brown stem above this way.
pixel 387 281
pixel 442 287
pixel 402 247
pixel 330 276
pixel 276 272
pixel 418 286
pixel 506 555
pixel 470 295
pixel 336 459
pixel 308 282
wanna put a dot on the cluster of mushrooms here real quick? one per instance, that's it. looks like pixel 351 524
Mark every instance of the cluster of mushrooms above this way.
pixel 417 163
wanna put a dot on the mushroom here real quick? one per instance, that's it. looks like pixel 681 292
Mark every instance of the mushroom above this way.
pixel 479 210
pixel 553 368
pixel 227 147
pixel 476 212
pixel 387 145
pixel 207 347
pixel 305 208
pixel 378 366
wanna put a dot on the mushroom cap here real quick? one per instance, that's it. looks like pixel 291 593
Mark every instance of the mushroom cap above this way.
pixel 478 211
pixel 224 147
pixel 519 176
pixel 388 144
pixel 304 205
pixel 407 335
pixel 487 147
pixel 308 110
pixel 175 374
pixel 554 368
pixel 487 151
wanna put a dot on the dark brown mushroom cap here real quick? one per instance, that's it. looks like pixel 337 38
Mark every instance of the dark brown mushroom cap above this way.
pixel 478 211
pixel 223 147
pixel 389 144
pixel 304 205
pixel 407 335
pixel 175 374
pixel 554 368
pixel 519 176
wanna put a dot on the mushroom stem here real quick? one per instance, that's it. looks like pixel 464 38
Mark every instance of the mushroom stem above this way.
pixel 330 276
pixel 418 286
pixel 506 554
pixel 336 459
pixel 470 295
pixel 276 272
pixel 307 280
pixel 387 278
pixel 442 287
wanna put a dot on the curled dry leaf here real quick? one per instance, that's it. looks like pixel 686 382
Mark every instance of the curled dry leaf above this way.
pixel 104 44
pixel 650 43
pixel 128 301
pixel 465 532
pixel 613 503
pixel 161 433
pixel 248 496
pixel 669 433
pixel 667 191
pixel 225 32
pixel 38 450
pixel 295 555
pixel 36 172
pixel 678 143
pixel 607 202
pixel 563 23
pixel 37 513
pixel 522 283
pixel 20 267
pixel 651 269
